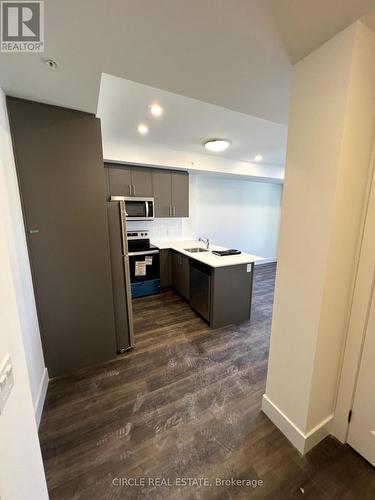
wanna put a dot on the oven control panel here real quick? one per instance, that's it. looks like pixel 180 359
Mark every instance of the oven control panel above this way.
pixel 137 235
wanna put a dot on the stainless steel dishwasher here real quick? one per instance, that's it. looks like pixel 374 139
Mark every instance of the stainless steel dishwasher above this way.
pixel 200 288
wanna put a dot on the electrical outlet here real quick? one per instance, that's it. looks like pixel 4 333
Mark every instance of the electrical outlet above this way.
pixel 6 381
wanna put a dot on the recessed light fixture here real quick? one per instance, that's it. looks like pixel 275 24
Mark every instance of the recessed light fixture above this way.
pixel 50 63
pixel 217 145
pixel 156 110
pixel 142 129
pixel 258 158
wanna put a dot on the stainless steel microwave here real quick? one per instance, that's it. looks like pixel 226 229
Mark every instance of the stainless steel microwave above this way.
pixel 137 208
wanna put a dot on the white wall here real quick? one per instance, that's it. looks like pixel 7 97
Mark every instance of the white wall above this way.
pixel 239 214
pixel 21 467
pixel 331 128
pixel 232 213
pixel 21 272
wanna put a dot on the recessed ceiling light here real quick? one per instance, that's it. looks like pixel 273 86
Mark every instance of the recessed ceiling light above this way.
pixel 142 129
pixel 156 110
pixel 258 158
pixel 217 145
pixel 50 63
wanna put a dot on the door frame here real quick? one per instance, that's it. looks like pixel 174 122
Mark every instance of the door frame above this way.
pixel 359 306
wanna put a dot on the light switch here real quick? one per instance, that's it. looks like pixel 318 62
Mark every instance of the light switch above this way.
pixel 6 381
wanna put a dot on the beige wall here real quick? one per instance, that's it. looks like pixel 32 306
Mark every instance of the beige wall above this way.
pixel 38 375
pixel 21 467
pixel 331 127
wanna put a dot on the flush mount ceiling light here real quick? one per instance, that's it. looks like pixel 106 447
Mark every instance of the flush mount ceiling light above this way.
pixel 217 145
pixel 258 158
pixel 142 129
pixel 156 110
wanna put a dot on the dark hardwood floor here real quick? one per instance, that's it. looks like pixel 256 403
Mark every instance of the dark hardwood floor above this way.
pixel 185 403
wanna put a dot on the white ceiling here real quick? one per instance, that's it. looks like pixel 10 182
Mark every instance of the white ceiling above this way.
pixel 232 53
pixel 185 124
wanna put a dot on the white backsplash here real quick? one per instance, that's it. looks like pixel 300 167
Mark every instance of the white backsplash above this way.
pixel 164 229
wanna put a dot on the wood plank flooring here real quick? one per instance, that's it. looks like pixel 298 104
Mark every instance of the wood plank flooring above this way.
pixel 186 403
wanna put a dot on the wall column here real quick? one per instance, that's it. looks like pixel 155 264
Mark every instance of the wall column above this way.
pixel 331 129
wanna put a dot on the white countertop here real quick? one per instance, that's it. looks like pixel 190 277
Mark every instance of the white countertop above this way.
pixel 207 258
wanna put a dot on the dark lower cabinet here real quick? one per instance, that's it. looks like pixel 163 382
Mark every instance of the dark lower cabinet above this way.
pixel 220 295
pixel 231 293
pixel 60 171
pixel 181 274
pixel 165 268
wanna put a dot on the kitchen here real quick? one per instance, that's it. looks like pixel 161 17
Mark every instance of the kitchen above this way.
pixel 216 282
pixel 146 234
pixel 91 215
pixel 142 161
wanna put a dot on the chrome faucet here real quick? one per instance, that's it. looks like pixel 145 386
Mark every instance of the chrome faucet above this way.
pixel 206 241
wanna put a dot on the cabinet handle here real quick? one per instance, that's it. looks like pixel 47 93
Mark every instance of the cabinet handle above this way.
pixel 170 211
pixel 133 189
pixel 130 189
pixel 174 211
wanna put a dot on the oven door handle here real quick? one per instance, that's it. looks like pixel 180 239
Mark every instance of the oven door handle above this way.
pixel 146 252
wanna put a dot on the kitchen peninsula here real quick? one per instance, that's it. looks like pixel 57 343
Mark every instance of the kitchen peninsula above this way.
pixel 218 288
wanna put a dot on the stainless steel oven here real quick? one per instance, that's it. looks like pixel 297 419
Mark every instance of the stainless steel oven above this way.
pixel 138 208
pixel 144 263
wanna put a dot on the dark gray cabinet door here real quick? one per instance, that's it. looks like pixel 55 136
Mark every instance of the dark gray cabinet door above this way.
pixel 185 287
pixel 176 271
pixel 142 182
pixel 165 268
pixel 180 194
pixel 170 188
pixel 181 274
pixel 60 171
pixel 162 184
pixel 120 180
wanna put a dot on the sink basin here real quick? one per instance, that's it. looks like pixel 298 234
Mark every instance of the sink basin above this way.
pixel 195 250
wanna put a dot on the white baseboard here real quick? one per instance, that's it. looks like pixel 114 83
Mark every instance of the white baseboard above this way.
pixel 39 403
pixel 303 442
pixel 265 261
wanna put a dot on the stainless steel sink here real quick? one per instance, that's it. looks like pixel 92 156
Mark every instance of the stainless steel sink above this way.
pixel 195 250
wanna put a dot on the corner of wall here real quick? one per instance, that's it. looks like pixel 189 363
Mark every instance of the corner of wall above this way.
pixel 303 442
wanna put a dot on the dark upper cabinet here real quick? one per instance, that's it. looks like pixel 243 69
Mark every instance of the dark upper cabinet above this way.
pixel 171 193
pixel 162 183
pixel 125 180
pixel 180 193
pixel 142 182
pixel 170 188
pixel 120 181
pixel 181 274
pixel 60 172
